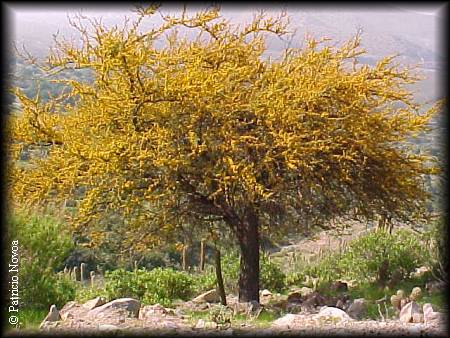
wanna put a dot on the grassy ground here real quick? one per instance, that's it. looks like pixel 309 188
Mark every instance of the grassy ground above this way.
pixel 263 320
pixel 29 320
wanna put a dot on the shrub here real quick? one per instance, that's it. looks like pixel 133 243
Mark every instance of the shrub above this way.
pixel 204 281
pixel 154 286
pixel 364 256
pixel 271 276
pixel 43 243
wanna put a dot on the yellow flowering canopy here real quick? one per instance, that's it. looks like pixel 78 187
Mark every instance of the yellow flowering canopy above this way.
pixel 173 129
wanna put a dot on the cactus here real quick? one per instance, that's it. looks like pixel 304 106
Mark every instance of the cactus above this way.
pixel 75 273
pixel 92 275
pixel 83 272
pixel 416 293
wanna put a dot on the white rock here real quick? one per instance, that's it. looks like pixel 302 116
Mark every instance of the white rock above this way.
pixel 211 296
pixel 358 308
pixel 334 312
pixel 411 312
pixel 200 324
pixel 93 303
pixel 129 304
pixel 432 317
pixel 149 311
pixel 52 316
pixel 107 327
pixel 266 293
pixel 287 321
pixel 305 291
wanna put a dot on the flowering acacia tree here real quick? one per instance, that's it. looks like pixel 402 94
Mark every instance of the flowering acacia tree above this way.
pixel 207 129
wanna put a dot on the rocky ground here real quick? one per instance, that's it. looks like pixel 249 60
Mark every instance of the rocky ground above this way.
pixel 310 317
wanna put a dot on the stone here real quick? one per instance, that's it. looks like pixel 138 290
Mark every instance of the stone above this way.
pixel 211 296
pixel 52 316
pixel 288 321
pixel 305 291
pixel 108 327
pixel 294 297
pixel 403 302
pixel 411 313
pixel 339 286
pixel 72 310
pixel 93 303
pixel 149 311
pixel 266 293
pixel 131 305
pixel 333 312
pixel 358 308
pixel 294 307
pixel 200 324
pixel 419 272
pixel 432 317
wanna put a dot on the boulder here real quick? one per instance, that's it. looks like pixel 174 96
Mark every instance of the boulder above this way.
pixel 333 312
pixel 432 317
pixel 93 303
pixel 411 313
pixel 52 316
pixel 288 321
pixel 339 286
pixel 73 310
pixel 211 296
pixel 108 327
pixel 152 310
pixel 305 291
pixel 131 305
pixel 202 325
pixel 266 293
pixel 294 297
pixel 294 308
pixel 247 307
pixel 419 272
pixel 358 308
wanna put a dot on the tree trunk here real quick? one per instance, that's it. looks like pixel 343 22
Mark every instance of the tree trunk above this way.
pixel 248 238
pixel 219 277
pixel 202 255
pixel 184 267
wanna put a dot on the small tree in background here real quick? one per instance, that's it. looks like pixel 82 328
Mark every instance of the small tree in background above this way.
pixel 174 129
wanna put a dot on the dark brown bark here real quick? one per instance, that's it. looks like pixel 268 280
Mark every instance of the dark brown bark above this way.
pixel 218 266
pixel 248 238
pixel 184 257
pixel 202 255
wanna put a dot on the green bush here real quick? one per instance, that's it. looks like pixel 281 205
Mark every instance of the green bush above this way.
pixel 43 243
pixel 85 293
pixel 204 281
pixel 401 249
pixel 363 257
pixel 271 276
pixel 154 286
